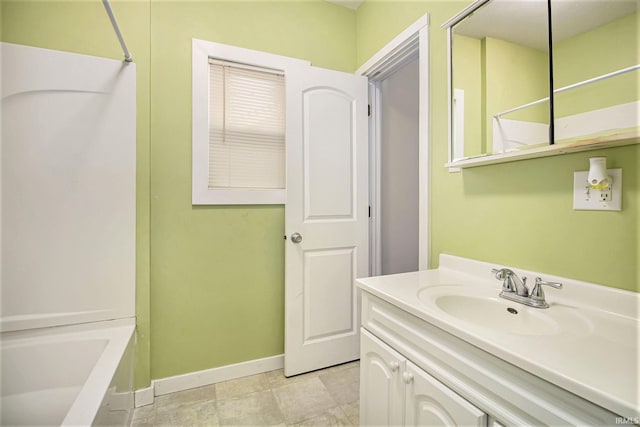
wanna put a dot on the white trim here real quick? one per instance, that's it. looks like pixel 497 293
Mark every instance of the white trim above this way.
pixel 424 148
pixel 457 127
pixel 450 101
pixel 410 44
pixel 215 375
pixel 143 396
pixel 201 52
pixel 467 11
pixel 389 54
pixel 214 61
pixel 375 138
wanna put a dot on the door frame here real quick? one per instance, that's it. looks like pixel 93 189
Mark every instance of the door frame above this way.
pixel 411 44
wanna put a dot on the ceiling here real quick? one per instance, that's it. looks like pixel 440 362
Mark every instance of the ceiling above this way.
pixel 525 21
pixel 351 4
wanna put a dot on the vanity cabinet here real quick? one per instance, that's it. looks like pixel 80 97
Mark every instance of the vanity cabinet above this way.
pixel 415 373
pixel 381 386
pixel 395 391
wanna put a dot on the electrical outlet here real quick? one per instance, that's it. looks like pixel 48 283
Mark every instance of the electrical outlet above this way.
pixel 605 194
pixel 594 199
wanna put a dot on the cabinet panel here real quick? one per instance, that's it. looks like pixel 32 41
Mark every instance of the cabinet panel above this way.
pixel 381 385
pixel 429 402
pixel 494 423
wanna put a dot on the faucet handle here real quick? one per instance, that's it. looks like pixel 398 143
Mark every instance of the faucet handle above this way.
pixel 505 275
pixel 537 293
pixel 501 273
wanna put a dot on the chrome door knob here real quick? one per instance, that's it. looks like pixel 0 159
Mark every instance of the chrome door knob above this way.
pixel 296 237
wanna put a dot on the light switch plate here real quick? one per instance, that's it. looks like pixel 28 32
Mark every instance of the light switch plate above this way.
pixel 589 199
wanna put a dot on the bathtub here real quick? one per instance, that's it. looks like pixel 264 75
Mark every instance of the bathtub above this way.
pixel 76 375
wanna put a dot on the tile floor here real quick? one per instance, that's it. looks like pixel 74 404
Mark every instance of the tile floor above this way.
pixel 329 397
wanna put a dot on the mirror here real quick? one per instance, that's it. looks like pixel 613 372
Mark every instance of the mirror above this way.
pixel 499 78
pixel 595 70
pixel 513 95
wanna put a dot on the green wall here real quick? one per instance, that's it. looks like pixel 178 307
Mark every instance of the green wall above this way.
pixel 602 50
pixel 517 213
pixel 513 75
pixel 497 75
pixel 217 273
pixel 468 75
pixel 210 279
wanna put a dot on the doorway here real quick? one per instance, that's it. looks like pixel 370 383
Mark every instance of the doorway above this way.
pixel 399 173
pixel 399 132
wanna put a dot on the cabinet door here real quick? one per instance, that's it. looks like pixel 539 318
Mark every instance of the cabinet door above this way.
pixel 494 423
pixel 381 385
pixel 429 402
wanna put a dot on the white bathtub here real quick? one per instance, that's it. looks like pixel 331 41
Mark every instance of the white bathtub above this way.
pixel 69 375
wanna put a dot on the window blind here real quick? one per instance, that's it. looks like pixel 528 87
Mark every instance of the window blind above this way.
pixel 246 127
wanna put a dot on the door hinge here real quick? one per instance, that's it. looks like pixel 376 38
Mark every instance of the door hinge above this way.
pixel 369 110
pixel 369 211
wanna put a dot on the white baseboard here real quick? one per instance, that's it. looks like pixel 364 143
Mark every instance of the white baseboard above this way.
pixel 143 396
pixel 191 380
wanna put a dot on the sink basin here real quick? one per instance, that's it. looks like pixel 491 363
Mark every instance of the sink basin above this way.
pixel 481 307
pixel 494 314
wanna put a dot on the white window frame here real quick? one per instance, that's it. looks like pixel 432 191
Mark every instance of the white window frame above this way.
pixel 201 52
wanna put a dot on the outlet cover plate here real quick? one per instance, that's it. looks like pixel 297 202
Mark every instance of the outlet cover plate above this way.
pixel 590 201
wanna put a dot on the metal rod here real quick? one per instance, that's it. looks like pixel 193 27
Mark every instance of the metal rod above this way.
pixel 116 28
pixel 572 86
pixel 551 103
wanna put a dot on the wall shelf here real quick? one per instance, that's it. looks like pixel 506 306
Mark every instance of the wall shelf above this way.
pixel 594 143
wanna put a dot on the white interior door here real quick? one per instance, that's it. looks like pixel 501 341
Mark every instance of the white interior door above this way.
pixel 327 210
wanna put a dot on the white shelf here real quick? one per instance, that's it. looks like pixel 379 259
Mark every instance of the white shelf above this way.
pixel 595 143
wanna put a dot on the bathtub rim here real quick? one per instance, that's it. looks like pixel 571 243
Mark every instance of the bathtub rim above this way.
pixel 119 333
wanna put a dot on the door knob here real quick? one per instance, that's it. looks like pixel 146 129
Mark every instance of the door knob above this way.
pixel 296 238
pixel 394 366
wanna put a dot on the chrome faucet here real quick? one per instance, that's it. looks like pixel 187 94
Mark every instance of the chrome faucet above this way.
pixel 516 290
pixel 511 282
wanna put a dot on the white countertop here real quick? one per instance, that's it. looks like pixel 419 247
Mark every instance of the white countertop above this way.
pixel 598 363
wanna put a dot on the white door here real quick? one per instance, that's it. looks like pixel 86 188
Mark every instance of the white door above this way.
pixel 430 403
pixel 327 209
pixel 381 383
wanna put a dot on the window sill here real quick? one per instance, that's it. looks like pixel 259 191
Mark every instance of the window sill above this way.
pixel 239 196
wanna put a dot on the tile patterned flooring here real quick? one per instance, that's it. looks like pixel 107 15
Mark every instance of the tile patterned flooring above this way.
pixel 329 397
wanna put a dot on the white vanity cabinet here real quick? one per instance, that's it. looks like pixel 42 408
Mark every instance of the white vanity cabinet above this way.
pixel 382 388
pixel 394 391
pixel 414 373
pixel 430 403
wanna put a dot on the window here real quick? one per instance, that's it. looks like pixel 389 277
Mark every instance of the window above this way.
pixel 246 126
pixel 239 124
